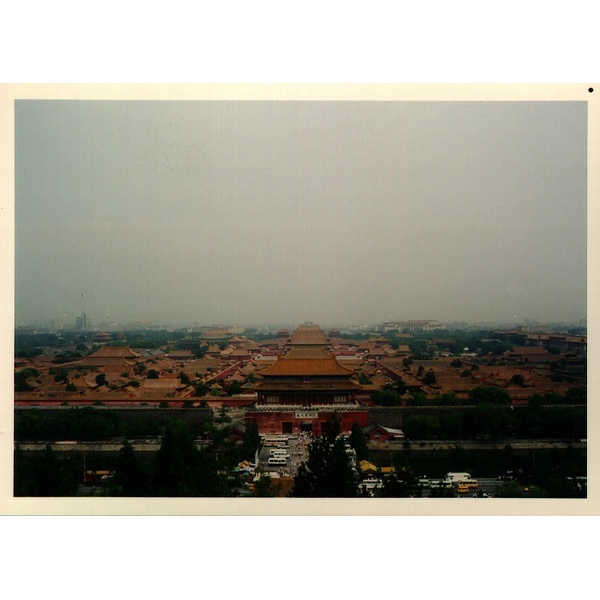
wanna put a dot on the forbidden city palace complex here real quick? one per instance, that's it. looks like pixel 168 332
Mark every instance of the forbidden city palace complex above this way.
pixel 305 388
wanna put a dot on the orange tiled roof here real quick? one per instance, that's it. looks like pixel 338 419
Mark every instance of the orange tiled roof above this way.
pixel 298 367
pixel 308 334
pixel 529 350
pixel 114 352
pixel 313 385
pixel 308 352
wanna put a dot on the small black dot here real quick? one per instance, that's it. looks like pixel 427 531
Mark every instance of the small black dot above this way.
pixel 590 90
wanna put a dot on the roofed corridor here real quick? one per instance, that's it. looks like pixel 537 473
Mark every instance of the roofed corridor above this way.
pixel 310 406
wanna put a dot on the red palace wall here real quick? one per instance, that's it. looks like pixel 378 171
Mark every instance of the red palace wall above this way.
pixel 279 421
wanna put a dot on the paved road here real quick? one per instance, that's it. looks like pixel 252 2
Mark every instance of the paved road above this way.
pixel 296 447
pixel 428 445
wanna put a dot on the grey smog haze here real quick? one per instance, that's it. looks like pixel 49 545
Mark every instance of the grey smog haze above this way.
pixel 280 212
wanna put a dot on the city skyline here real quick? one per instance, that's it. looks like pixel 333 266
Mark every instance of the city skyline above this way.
pixel 282 212
pixel 77 324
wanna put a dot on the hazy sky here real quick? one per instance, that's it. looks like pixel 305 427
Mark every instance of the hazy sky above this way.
pixel 281 212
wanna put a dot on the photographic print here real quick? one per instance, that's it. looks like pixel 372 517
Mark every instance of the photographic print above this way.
pixel 300 298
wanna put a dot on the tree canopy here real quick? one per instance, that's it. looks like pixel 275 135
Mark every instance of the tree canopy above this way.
pixel 327 473
pixel 358 441
pixel 131 477
pixel 387 397
pixel 183 470
pixel 489 395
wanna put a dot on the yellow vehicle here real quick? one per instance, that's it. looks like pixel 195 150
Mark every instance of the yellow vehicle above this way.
pixel 472 484
pixel 463 488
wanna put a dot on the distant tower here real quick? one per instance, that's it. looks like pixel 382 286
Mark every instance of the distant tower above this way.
pixel 81 323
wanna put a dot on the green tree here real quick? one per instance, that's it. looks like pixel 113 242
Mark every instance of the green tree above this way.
pixel 492 421
pixel 177 463
pixel 563 422
pixel 358 441
pixel 183 470
pixel 251 442
pixel 61 376
pixel 223 417
pixel 45 475
pixel 403 484
pixel 422 427
pixel 199 351
pixel 387 397
pixel 266 487
pixel 453 426
pixel 153 374
pixel 509 489
pixel 576 394
pixel 21 383
pixel 201 388
pixel 417 399
pixel 489 395
pixel 23 480
pixel 235 387
pixel 447 399
pixel 131 478
pixel 518 379
pixel 430 378
pixel 30 372
pixel 327 473
pixel 536 491
pixel 442 492
pixel 101 379
pixel 185 380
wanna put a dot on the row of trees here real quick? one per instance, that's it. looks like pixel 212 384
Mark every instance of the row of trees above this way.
pixel 45 474
pixel 547 473
pixel 89 423
pixel 392 396
pixel 498 422
pixel 179 469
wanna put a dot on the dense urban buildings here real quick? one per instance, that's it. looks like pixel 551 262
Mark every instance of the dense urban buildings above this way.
pixel 459 395
pixel 301 368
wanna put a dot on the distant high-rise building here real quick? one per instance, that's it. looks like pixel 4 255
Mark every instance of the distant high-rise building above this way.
pixel 81 323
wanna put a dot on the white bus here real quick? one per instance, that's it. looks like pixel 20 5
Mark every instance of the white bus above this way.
pixel 276 438
pixel 276 444
pixel 371 483
pixel 457 477
pixel 277 461
pixel 280 452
